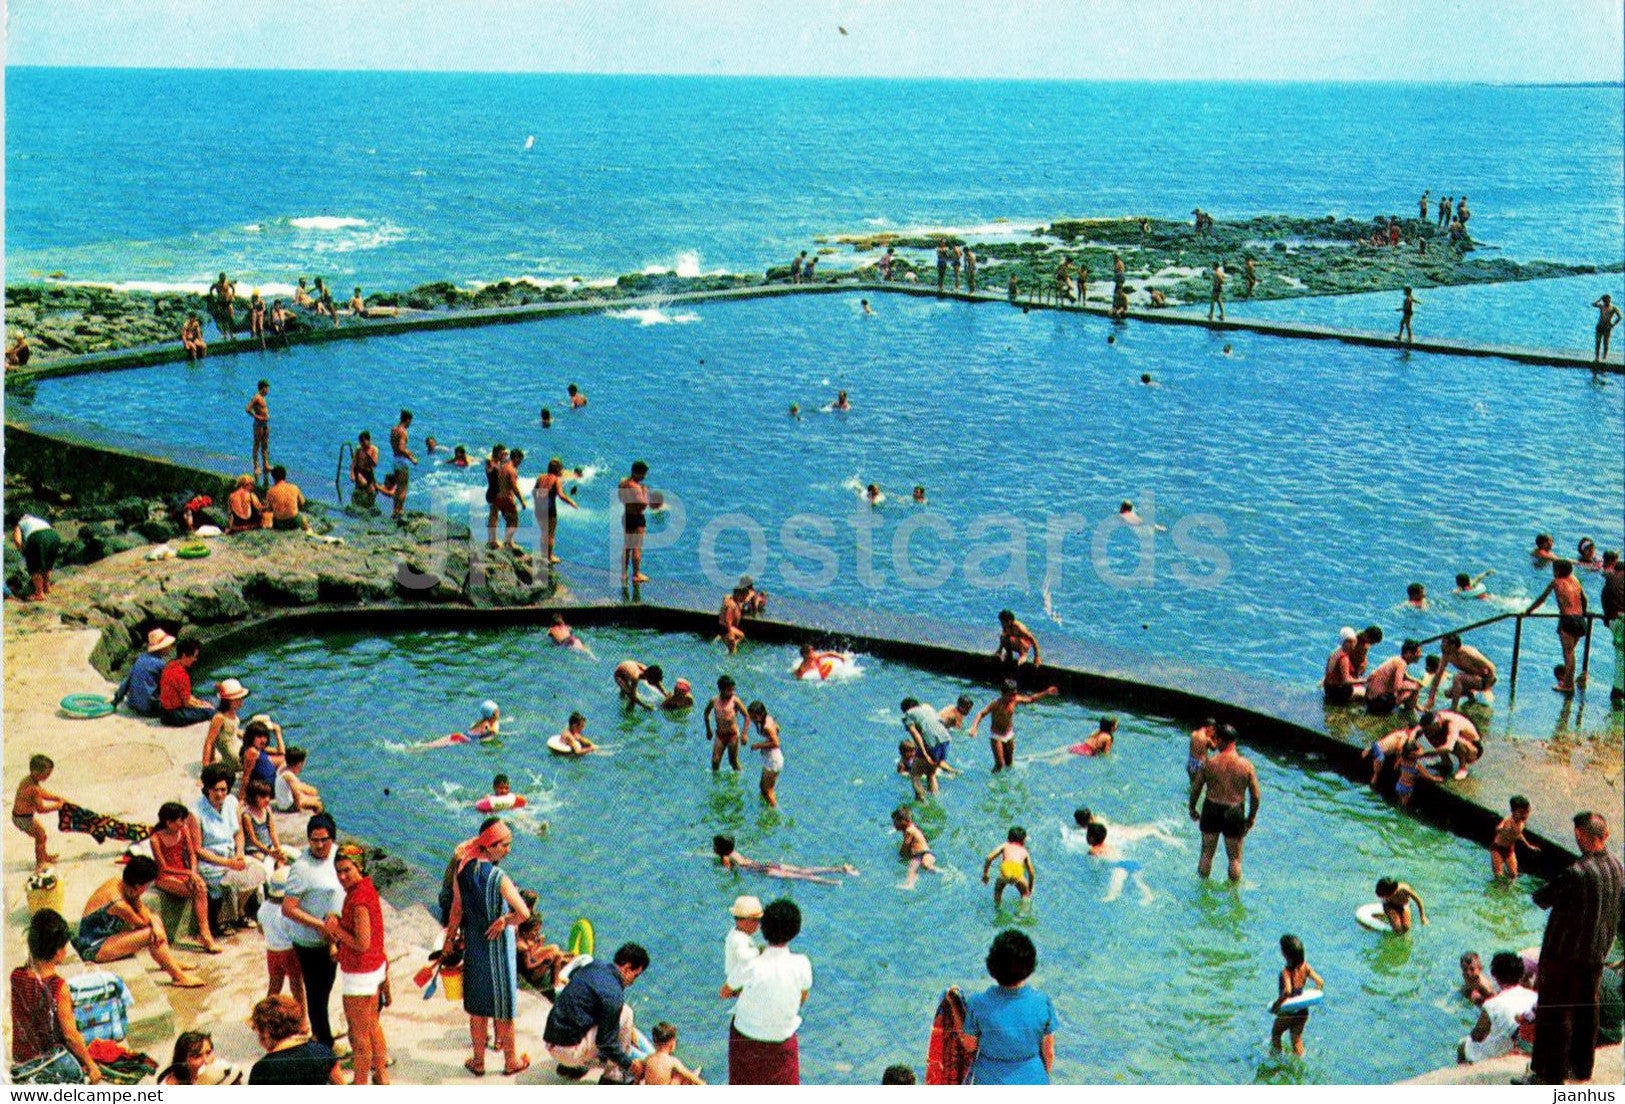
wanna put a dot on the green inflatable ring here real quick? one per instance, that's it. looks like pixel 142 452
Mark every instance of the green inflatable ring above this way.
pixel 86 705
pixel 192 551
pixel 581 939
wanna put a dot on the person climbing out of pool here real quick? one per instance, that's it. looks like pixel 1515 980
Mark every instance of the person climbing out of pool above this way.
pixel 1390 687
pixel 259 410
pixel 364 464
pixel 403 459
pixel 1015 640
pixel 1508 834
pixel 1227 779
pixel 1411 768
pixel 1295 977
pixel 1386 749
pixel 1475 674
pixel 636 501
pixel 1406 309
pixel 1571 618
pixel 1003 711
pixel 731 727
pixel 728 618
pixel 1608 317
pixel 1472 586
pixel 914 849
pixel 729 858
pixel 563 636
pixel 1095 833
pixel 482 730
pixel 772 751
pixel 1396 898
pixel 574 736
pixel 629 673
pixel 550 488
pixel 814 662
pixel 1015 867
pixel 1201 746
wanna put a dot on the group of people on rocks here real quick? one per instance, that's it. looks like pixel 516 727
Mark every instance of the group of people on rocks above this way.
pixel 268 324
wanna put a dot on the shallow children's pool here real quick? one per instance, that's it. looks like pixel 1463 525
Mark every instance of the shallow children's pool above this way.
pixel 1170 989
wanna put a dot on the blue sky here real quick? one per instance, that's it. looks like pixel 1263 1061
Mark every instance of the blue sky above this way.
pixel 1424 40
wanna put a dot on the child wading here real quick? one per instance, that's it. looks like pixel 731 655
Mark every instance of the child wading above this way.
pixel 1294 975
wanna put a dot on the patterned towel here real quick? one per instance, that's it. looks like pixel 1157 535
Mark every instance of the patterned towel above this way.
pixel 77 818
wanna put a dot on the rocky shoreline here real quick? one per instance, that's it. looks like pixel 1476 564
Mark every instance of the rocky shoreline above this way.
pixel 1295 257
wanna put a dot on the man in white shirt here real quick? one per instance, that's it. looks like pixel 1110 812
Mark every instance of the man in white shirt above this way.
pixel 762 1045
pixel 740 949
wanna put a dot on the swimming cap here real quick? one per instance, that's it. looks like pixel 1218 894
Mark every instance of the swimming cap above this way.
pixel 682 684
pixel 488 708
pixel 1346 634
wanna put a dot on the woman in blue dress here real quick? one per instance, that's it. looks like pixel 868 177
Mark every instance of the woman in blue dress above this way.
pixel 485 910
pixel 1010 1028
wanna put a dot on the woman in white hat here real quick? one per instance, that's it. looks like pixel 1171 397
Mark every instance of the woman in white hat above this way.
pixel 140 686
pixel 223 744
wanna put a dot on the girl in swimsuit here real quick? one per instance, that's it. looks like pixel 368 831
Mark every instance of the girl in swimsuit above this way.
pixel 1294 976
pixel 730 727
pixel 772 751
pixel 731 859
pixel 551 484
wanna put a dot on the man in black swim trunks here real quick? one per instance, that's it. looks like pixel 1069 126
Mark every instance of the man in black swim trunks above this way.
pixel 1228 778
pixel 1571 617
pixel 635 503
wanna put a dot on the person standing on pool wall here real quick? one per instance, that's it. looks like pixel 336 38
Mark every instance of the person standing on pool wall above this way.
pixel 1015 639
pixel 1608 317
pixel 635 503
pixel 404 460
pixel 260 411
pixel 1571 617
pixel 1227 778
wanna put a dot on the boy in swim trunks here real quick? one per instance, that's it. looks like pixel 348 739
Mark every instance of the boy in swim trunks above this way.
pixel 1508 834
pixel 635 504
pixel 1003 710
pixel 1396 899
pixel 663 1067
pixel 259 410
pixel 1015 639
pixel 1608 317
pixel 1122 869
pixel 1201 746
pixel 404 460
pixel 1015 867
pixel 33 798
pixel 574 735
pixel 731 727
pixel 1571 617
pixel 728 620
pixel 630 672
pixel 772 751
pixel 914 849
pixel 1227 779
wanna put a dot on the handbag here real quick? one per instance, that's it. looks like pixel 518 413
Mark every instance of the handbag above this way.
pixel 101 1005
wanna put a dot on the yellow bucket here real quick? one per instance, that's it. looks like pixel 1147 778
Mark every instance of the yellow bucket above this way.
pixel 451 982
pixel 52 898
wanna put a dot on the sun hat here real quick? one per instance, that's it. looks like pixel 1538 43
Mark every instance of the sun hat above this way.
pixel 232 690
pixel 488 708
pixel 746 907
pixel 158 640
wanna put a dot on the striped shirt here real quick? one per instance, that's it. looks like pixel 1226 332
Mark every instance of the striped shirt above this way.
pixel 1585 901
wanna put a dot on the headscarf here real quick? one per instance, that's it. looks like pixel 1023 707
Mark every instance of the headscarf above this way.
pixel 469 850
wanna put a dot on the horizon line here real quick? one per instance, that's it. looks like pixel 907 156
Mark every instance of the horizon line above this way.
pixel 692 75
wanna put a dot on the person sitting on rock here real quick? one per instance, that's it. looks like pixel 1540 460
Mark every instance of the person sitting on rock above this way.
pixel 244 506
pixel 17 353
pixel 285 502
pixel 192 339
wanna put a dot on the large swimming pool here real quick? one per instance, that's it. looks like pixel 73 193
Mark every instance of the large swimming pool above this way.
pixel 1173 989
pixel 1303 484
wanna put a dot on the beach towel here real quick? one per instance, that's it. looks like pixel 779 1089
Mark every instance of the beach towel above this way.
pixel 946 1062
pixel 101 828
pixel 120 1066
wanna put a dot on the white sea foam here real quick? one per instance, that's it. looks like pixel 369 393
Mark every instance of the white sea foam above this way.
pixel 654 316
pixel 687 265
pixel 181 287
pixel 326 222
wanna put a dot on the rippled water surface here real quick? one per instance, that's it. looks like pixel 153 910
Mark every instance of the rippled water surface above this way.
pixel 1173 989
pixel 1304 484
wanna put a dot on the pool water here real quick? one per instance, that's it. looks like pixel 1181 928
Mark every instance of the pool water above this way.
pixel 1173 990
pixel 1303 484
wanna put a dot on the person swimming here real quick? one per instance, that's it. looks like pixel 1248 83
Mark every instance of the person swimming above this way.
pixel 459 458
pixel 481 731
pixel 729 858
pixel 814 662
pixel 563 636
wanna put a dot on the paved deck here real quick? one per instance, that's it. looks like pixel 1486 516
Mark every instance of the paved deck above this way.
pixel 414 321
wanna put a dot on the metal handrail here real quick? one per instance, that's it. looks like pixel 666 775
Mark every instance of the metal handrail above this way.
pixel 338 472
pixel 1520 616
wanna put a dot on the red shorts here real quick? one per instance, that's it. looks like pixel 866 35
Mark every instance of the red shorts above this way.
pixel 285 962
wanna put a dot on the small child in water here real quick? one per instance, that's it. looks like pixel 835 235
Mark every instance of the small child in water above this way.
pixel 1396 899
pixel 1015 866
pixel 1472 586
pixel 1410 769
pixel 1101 742
pixel 663 1067
pixel 1508 834
pixel 32 798
pixel 574 735
pixel 1295 976
pixel 681 696
pixel 914 850
pixel 1474 985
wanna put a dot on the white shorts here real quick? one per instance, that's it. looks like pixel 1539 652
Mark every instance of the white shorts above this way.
pixel 773 760
pixel 361 985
